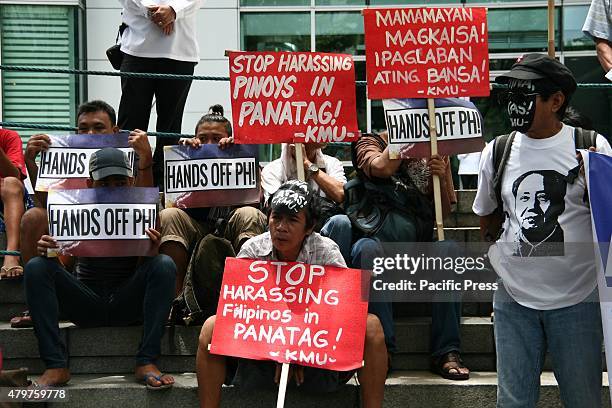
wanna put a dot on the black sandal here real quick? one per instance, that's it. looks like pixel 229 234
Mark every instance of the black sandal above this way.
pixel 443 365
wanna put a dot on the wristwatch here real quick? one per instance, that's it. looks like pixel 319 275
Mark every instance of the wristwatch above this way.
pixel 313 169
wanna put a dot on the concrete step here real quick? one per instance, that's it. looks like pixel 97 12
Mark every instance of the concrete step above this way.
pixel 11 292
pixel 413 389
pixel 108 350
pixel 111 349
pixel 462 234
pixel 465 199
pixel 455 220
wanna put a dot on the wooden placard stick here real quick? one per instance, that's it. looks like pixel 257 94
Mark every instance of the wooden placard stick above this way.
pixel 433 138
pixel 551 28
pixel 282 386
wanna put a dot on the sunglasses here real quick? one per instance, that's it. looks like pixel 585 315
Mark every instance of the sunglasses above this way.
pixel 506 96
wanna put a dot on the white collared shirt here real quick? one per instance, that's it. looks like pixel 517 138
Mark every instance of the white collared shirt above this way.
pixel 278 172
pixel 142 38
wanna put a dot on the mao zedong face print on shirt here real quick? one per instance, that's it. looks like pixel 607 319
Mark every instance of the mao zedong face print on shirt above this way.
pixel 539 200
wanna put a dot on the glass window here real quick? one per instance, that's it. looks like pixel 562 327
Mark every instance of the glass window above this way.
pixel 340 32
pixel 501 64
pixel 39 36
pixel 341 2
pixel 573 20
pixel 588 70
pixel 249 3
pixel 522 29
pixel 406 2
pixel 275 31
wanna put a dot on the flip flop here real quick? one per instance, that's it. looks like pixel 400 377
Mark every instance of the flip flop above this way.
pixel 23 321
pixel 36 385
pixel 151 374
pixel 4 272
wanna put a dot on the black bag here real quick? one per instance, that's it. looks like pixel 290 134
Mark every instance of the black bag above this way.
pixel 114 53
pixel 325 209
pixel 203 279
pixel 388 211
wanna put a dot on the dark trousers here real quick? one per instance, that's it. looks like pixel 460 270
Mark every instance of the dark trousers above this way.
pixel 170 97
pixel 145 297
pixel 445 316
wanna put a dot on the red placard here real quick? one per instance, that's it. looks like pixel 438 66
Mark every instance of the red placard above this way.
pixel 287 97
pixel 291 313
pixel 426 52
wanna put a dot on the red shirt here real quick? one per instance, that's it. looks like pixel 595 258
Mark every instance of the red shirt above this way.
pixel 10 144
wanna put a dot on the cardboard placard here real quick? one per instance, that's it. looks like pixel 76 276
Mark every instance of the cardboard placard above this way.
pixel 459 127
pixel 211 177
pixel 65 165
pixel 426 52
pixel 103 222
pixel 293 97
pixel 291 313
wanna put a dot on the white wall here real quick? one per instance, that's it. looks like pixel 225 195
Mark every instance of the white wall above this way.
pixel 218 26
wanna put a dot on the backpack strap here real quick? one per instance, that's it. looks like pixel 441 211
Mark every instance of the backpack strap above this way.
pixel 583 139
pixel 501 151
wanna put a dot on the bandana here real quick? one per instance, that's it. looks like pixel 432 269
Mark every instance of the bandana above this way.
pixel 521 104
pixel 291 197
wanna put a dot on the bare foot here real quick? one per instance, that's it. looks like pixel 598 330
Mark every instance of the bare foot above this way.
pixel 54 377
pixel 152 369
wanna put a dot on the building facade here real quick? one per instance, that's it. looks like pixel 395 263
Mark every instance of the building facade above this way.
pixel 76 33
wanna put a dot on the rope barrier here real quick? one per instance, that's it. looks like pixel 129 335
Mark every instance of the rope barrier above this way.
pixel 17 68
pixel 148 75
pixel 10 253
pixel 43 126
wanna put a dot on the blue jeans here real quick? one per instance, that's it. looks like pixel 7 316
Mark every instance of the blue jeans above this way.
pixel 445 316
pixel 362 255
pixel 571 334
pixel 338 228
pixel 145 297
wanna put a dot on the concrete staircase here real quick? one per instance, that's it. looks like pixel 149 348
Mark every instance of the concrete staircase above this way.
pixel 101 360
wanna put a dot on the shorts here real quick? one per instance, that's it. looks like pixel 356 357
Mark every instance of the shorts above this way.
pixel 255 374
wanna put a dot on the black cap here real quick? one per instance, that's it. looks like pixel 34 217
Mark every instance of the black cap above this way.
pixel 291 197
pixel 541 66
pixel 109 161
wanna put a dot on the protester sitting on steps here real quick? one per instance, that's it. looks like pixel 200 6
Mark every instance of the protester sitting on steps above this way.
pixel 14 199
pixel 94 117
pixel 411 181
pixel 105 291
pixel 291 238
pixel 183 229
pixel 325 175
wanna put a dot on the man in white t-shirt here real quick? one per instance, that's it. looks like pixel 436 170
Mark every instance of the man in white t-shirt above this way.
pixel 547 301
pixel 325 176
